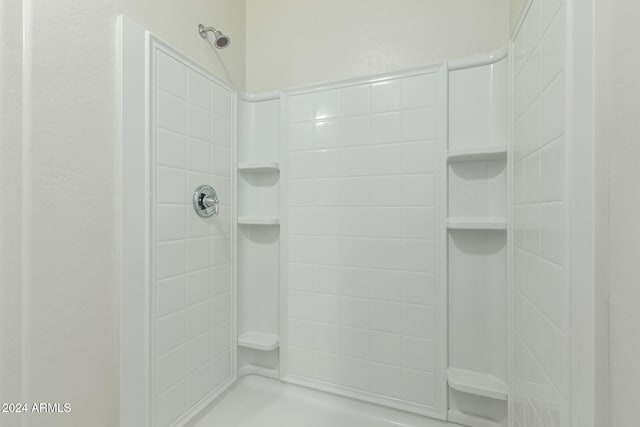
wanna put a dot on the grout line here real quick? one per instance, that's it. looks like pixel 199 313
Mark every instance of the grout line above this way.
pixel 367 298
pixel 519 290
pixel 186 135
pixel 402 142
pixel 186 245
pixel 536 360
pixel 356 267
pixel 540 203
pixel 540 148
pixel 360 359
pixel 368 237
pixel 369 114
pixel 379 175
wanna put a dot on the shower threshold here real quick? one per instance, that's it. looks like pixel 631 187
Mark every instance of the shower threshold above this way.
pixel 256 401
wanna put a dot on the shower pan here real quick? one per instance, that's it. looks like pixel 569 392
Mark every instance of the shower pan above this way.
pixel 338 249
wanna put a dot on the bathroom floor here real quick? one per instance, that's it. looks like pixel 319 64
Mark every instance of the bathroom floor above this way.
pixel 261 402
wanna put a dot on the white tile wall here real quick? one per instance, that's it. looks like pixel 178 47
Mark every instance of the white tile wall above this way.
pixel 539 393
pixel 192 285
pixel 362 241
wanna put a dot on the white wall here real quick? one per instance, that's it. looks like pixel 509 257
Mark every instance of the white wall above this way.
pixel 11 205
pixel 297 42
pixel 515 7
pixel 69 185
pixel 618 132
pixel 176 23
pixel 65 167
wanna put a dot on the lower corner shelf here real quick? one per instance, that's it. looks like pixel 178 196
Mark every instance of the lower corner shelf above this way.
pixel 465 154
pixel 477 224
pixel 477 383
pixel 259 341
pixel 470 420
pixel 258 220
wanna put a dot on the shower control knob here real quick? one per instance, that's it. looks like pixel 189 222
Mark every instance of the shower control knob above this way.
pixel 210 201
pixel 205 201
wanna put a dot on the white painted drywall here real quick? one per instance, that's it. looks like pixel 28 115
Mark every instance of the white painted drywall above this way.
pixel 176 23
pixel 618 133
pixel 60 191
pixel 515 11
pixel 292 43
pixel 70 231
pixel 10 205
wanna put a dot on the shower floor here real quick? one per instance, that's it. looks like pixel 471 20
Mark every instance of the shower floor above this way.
pixel 262 402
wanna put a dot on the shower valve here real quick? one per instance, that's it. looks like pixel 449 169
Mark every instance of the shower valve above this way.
pixel 205 201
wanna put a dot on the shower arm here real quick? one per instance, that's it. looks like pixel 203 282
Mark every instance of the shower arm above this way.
pixel 204 30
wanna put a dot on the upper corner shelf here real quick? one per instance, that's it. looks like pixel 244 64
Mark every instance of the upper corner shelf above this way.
pixel 477 383
pixel 468 154
pixel 259 167
pixel 259 341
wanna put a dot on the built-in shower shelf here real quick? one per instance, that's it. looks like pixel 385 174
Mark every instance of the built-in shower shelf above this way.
pixel 463 419
pixel 259 341
pixel 477 383
pixel 476 224
pixel 258 220
pixel 468 154
pixel 259 167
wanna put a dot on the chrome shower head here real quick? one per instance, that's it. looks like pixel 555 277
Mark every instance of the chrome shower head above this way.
pixel 222 40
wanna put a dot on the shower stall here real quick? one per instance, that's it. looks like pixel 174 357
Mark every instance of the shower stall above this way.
pixel 386 250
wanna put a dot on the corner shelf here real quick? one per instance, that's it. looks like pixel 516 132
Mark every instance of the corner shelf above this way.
pixel 477 383
pixel 258 220
pixel 468 154
pixel 476 224
pixel 259 167
pixel 470 420
pixel 259 341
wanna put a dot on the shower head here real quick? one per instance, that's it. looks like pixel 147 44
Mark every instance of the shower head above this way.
pixel 221 41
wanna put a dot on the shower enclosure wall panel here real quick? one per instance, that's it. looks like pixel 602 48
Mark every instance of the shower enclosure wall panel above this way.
pixel 259 130
pixel 478 103
pixel 258 234
pixel 184 281
pixel 477 240
pixel 540 201
pixel 365 313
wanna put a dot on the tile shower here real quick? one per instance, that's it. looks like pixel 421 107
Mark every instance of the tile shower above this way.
pixel 363 244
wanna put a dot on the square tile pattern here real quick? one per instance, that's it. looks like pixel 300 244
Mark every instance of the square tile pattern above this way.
pixel 362 263
pixel 538 394
pixel 192 280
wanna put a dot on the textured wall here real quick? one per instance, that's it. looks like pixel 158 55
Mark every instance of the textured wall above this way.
pixel 297 42
pixel 11 206
pixel 71 229
pixel 618 91
pixel 177 22
pixel 515 7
